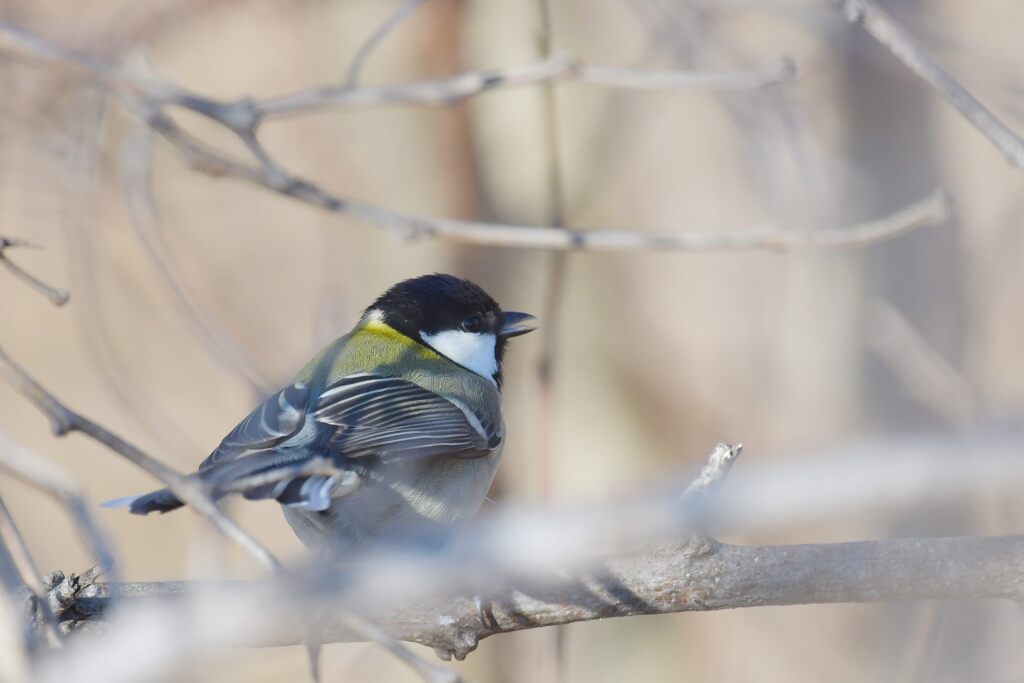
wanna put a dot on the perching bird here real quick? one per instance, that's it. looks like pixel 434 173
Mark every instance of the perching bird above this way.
pixel 406 406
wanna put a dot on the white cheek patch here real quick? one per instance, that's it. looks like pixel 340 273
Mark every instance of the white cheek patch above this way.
pixel 471 350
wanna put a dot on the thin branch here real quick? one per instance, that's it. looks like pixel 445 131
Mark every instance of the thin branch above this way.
pixel 887 31
pixel 11 538
pixel 58 297
pixel 557 68
pixel 554 296
pixel 932 210
pixel 925 374
pixel 243 117
pixel 247 114
pixel 18 637
pixel 139 199
pixel 643 79
pixel 37 473
pixel 380 33
pixel 65 421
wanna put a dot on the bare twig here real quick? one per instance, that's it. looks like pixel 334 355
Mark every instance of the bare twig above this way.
pixel 929 211
pixel 446 91
pixel 17 634
pixel 137 190
pixel 38 473
pixel 64 421
pixel 247 114
pixel 554 295
pixel 925 374
pixel 58 297
pixel 380 33
pixel 887 31
pixel 16 547
pixel 244 116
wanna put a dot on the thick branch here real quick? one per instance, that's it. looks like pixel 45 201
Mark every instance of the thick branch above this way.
pixel 676 579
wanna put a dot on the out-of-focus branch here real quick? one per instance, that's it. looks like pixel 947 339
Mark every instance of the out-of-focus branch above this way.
pixel 64 421
pixel 925 374
pixel 37 473
pixel 248 114
pixel 13 543
pixel 887 31
pixel 148 96
pixel 932 210
pixel 379 34
pixel 58 297
pixel 561 68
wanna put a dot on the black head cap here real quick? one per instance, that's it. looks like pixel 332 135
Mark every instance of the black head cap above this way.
pixel 438 302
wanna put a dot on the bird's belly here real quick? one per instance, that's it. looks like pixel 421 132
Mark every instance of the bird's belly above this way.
pixel 415 503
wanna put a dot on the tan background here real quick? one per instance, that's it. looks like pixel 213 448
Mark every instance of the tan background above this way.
pixel 660 355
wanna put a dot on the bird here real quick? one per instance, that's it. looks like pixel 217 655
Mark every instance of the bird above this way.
pixel 391 434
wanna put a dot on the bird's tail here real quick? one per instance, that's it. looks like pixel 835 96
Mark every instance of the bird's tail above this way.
pixel 157 501
pixel 301 491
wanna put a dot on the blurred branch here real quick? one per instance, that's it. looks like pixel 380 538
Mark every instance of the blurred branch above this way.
pixel 64 421
pixel 454 89
pixel 58 297
pixel 380 33
pixel 925 374
pixel 544 456
pixel 147 96
pixel 12 543
pixel 887 31
pixel 37 473
pixel 137 190
pixel 931 211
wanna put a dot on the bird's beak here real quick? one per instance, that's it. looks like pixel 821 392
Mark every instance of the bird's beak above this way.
pixel 515 324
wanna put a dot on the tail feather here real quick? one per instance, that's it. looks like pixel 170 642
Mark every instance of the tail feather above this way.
pixel 304 492
pixel 157 501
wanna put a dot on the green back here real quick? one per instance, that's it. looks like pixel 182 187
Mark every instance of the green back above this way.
pixel 376 347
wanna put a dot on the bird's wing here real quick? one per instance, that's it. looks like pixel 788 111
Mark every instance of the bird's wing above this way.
pixel 392 419
pixel 278 418
pixel 357 417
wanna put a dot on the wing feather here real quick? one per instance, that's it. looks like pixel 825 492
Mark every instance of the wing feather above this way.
pixel 356 417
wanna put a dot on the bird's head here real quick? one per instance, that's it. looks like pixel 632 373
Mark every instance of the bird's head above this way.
pixel 454 317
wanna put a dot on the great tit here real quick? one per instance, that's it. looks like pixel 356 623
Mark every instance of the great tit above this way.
pixel 406 406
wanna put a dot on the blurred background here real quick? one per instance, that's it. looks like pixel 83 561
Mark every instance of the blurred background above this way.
pixel 181 318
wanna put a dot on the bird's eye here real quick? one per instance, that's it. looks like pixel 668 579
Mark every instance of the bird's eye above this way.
pixel 472 324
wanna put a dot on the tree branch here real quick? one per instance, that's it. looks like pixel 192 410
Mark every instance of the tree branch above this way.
pixel 932 210
pixel 58 297
pixel 887 31
pixel 675 579
pixel 64 421
pixel 147 96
